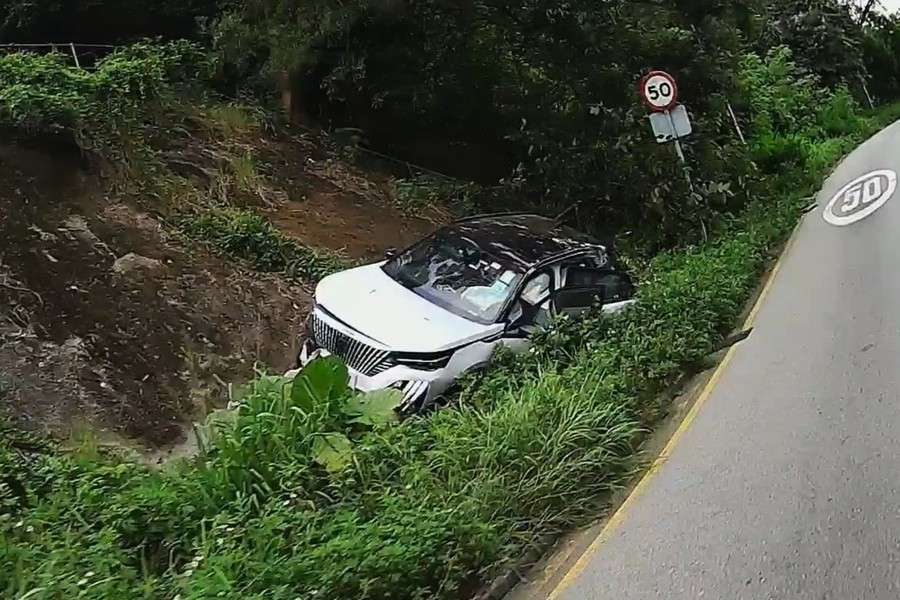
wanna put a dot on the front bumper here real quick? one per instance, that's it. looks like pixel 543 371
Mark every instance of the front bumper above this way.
pixel 419 388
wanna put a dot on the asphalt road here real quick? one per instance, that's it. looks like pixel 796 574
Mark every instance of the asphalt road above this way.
pixel 787 482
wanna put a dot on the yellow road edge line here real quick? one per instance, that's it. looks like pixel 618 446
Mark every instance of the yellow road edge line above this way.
pixel 619 515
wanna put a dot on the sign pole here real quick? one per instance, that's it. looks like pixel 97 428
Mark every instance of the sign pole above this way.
pixel 687 171
pixel 74 54
pixel 680 153
pixel 659 91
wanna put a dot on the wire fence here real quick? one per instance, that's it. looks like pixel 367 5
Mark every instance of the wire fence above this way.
pixel 413 169
pixel 83 55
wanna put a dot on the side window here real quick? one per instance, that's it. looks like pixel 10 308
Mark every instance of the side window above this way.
pixel 582 263
pixel 537 289
pixel 533 305
pixel 617 287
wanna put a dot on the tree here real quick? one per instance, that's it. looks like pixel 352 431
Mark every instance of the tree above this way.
pixel 881 47
pixel 823 36
pixel 101 21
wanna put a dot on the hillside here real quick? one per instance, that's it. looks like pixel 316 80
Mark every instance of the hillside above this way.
pixel 113 320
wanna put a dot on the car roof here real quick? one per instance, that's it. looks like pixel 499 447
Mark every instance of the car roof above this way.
pixel 526 239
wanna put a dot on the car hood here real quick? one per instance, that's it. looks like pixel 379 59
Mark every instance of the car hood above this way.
pixel 368 300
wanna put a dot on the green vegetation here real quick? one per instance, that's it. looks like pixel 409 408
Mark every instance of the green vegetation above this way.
pixel 882 56
pixel 246 235
pixel 539 97
pixel 104 109
pixel 232 120
pixel 125 112
pixel 308 491
pixel 415 194
pixel 243 169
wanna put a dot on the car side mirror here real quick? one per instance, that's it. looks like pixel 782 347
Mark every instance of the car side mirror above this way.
pixel 390 253
pixel 576 301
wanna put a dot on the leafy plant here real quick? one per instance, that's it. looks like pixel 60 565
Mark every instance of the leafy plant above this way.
pixel 374 408
pixel 316 409
pixel 823 35
pixel 791 115
pixel 840 114
pixel 781 99
pixel 231 120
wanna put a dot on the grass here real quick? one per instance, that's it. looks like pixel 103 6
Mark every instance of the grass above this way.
pixel 231 120
pixel 243 169
pixel 246 235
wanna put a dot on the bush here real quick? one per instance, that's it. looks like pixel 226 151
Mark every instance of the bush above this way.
pixel 790 114
pixel 779 97
pixel 839 115
pixel 881 46
pixel 99 109
pixel 419 193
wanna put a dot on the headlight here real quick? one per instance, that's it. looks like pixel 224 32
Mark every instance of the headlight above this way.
pixel 427 361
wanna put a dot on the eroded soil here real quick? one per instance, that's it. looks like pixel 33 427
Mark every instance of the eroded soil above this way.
pixel 111 322
pixel 328 204
pixel 106 320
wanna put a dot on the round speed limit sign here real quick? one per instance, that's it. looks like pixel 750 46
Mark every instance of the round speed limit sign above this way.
pixel 659 91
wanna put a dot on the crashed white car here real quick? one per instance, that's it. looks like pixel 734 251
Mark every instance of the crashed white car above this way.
pixel 439 309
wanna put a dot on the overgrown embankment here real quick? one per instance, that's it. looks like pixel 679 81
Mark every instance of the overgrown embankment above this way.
pixel 430 507
pixel 112 315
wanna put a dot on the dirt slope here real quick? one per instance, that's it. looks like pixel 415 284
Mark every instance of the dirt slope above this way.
pixel 110 320
pixel 107 320
pixel 328 204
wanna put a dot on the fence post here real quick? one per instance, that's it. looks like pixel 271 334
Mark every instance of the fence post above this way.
pixel 737 125
pixel 74 54
pixel 865 88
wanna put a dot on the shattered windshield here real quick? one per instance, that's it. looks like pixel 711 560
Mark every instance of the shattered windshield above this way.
pixel 457 276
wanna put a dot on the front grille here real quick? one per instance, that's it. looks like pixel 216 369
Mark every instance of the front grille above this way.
pixel 359 356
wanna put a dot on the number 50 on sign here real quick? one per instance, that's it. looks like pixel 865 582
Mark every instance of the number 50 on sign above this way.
pixel 658 91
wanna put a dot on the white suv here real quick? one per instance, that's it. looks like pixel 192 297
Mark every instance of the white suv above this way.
pixel 439 309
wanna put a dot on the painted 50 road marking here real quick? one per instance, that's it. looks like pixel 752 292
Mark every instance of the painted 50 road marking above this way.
pixel 861 197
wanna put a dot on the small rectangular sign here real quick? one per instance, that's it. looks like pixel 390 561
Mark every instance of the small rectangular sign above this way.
pixel 670 125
